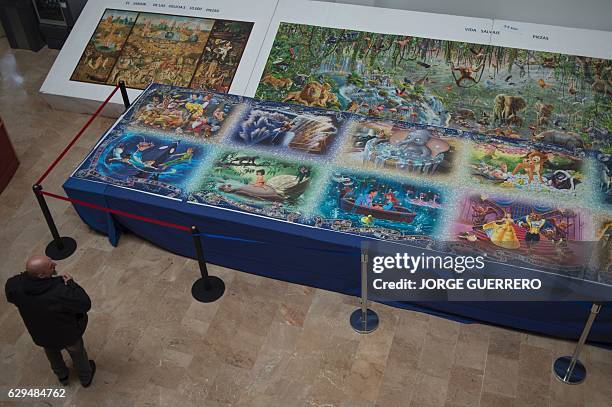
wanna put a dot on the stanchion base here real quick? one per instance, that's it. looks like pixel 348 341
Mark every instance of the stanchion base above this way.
pixel 560 369
pixel 357 321
pixel 216 290
pixel 55 253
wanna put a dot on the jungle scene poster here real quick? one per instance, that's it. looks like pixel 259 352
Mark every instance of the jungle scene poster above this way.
pixel 514 93
pixel 256 183
pixel 141 48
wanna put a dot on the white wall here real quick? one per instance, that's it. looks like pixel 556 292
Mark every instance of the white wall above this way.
pixel 588 14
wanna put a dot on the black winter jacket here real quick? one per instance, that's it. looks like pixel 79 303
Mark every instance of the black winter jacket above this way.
pixel 54 313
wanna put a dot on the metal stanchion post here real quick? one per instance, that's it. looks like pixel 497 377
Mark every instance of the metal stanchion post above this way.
pixel 364 320
pixel 124 94
pixel 62 246
pixel 207 288
pixel 569 369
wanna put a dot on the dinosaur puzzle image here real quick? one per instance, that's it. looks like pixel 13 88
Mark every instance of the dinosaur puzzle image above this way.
pixel 549 97
pixel 140 48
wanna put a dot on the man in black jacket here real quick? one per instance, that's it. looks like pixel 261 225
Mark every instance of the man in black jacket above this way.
pixel 54 310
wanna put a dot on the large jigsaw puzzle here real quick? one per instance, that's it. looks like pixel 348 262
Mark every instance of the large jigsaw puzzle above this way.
pixel 548 97
pixel 140 48
pixel 373 177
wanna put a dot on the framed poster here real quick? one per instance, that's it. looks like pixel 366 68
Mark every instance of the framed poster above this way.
pixel 496 78
pixel 184 43
pixel 346 38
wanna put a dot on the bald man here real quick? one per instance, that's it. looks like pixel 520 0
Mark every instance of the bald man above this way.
pixel 54 310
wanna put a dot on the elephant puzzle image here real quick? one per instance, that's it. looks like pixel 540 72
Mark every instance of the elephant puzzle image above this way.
pixel 498 91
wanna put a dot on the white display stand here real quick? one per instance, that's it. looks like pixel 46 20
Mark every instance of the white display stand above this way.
pixel 563 40
pixel 64 94
pixel 370 19
pixel 572 41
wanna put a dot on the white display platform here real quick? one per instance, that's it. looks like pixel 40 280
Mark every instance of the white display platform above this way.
pixel 571 41
pixel 370 19
pixel 563 40
pixel 65 94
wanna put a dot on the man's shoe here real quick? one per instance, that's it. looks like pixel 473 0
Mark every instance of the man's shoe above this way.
pixel 64 381
pixel 93 372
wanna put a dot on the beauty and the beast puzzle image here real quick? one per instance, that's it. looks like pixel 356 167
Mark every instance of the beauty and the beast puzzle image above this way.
pixel 510 229
pixel 348 173
pixel 140 48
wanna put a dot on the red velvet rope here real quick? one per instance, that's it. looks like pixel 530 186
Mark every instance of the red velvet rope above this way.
pixel 88 204
pixel 74 140
pixel 118 212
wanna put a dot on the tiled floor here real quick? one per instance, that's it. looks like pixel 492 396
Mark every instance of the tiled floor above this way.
pixel 265 343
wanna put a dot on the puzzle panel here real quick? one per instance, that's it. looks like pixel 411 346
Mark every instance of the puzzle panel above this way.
pixel 358 175
pixel 140 48
pixel 542 96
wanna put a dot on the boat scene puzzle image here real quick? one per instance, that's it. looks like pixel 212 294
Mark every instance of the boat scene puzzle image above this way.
pixel 141 48
pixel 290 128
pixel 382 207
pixel 525 168
pixel 144 161
pixel 406 148
pixel 530 232
pixel 251 182
pixel 541 96
pixel 184 112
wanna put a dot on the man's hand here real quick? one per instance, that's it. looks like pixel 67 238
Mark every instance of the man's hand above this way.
pixel 66 277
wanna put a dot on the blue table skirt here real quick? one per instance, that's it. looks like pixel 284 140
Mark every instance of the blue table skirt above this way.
pixel 303 255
